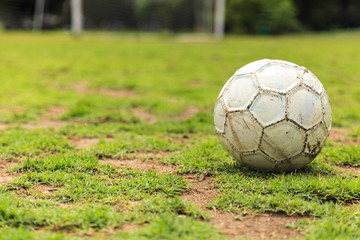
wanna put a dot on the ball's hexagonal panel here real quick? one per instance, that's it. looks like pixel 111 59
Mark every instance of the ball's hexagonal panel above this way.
pixel 268 108
pixel 316 139
pixel 228 146
pixel 225 86
pixel 240 92
pixel 243 131
pixel 293 164
pixel 304 107
pixel 327 110
pixel 252 67
pixel 278 77
pixel 312 81
pixel 258 160
pixel 219 116
pixel 290 64
pixel 282 140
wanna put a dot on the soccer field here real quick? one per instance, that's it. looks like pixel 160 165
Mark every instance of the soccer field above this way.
pixel 111 136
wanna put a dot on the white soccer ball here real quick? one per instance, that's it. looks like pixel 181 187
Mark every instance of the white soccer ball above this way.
pixel 273 115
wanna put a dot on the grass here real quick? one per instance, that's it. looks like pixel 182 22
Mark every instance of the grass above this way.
pixel 108 85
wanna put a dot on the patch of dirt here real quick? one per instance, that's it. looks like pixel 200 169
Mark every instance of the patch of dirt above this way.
pixel 46 124
pixel 83 142
pixel 144 115
pixel 187 113
pixel 337 134
pixel 47 120
pixel 196 83
pixel 81 88
pixel 54 112
pixel 130 226
pixel 350 169
pixel 262 226
pixel 202 191
pixel 6 176
pixel 141 165
pixel 4 126
pixel 45 189
pixel 120 93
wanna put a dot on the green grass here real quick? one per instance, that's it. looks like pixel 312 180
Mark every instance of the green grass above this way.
pixel 63 191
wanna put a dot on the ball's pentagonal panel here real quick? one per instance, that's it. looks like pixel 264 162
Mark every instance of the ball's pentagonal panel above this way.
pixel 258 160
pixel 252 67
pixel 304 107
pixel 219 116
pixel 316 139
pixel 243 131
pixel 268 108
pixel 277 77
pixel 313 82
pixel 283 140
pixel 327 110
pixel 293 163
pixel 240 92
pixel 228 146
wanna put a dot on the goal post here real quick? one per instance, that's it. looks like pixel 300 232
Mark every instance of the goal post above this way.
pixel 38 15
pixel 76 16
pixel 219 25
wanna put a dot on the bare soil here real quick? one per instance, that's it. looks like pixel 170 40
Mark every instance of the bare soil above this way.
pixel 6 176
pixel 341 135
pixel 81 88
pixel 141 165
pixel 144 115
pixel 45 189
pixel 350 169
pixel 49 119
pixel 203 191
pixel 337 134
pixel 83 142
pixel 187 113
pixel 262 226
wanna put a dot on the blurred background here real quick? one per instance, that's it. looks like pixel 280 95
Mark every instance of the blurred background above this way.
pixel 159 56
pixel 242 16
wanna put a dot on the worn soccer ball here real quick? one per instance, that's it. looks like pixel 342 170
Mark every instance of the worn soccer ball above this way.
pixel 273 115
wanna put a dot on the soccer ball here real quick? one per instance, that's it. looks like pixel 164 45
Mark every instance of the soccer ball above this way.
pixel 273 115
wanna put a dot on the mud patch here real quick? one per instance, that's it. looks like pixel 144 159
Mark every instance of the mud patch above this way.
pixel 263 226
pixel 6 176
pixel 196 83
pixel 350 169
pixel 45 189
pixel 141 165
pixel 202 192
pixel 342 135
pixel 81 88
pixel 144 115
pixel 4 126
pixel 337 134
pixel 187 113
pixel 83 142
pixel 48 120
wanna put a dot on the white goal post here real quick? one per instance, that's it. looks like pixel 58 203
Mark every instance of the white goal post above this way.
pixel 219 21
pixel 77 16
